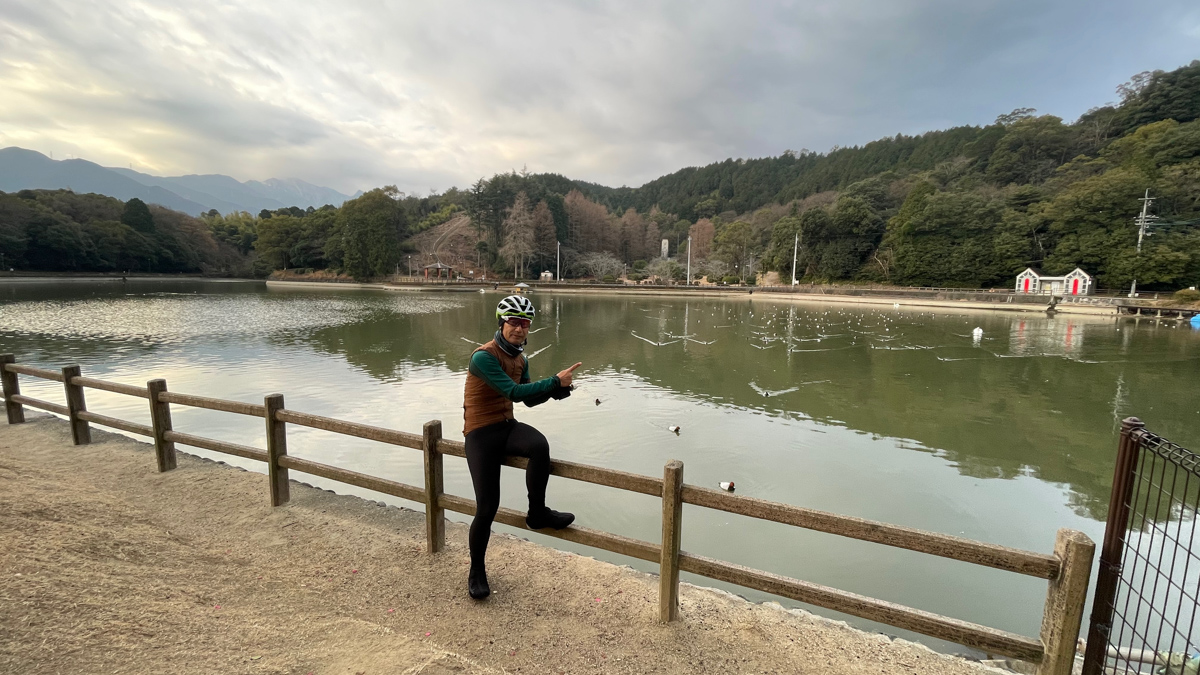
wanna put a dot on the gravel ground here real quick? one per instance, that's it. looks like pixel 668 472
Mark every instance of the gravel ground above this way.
pixel 108 566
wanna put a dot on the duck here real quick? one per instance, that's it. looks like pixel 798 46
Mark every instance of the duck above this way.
pixel 726 485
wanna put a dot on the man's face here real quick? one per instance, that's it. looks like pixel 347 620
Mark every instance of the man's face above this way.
pixel 515 330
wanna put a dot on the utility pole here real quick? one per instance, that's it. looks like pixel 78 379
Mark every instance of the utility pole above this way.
pixel 558 261
pixel 795 250
pixel 1144 220
pixel 689 272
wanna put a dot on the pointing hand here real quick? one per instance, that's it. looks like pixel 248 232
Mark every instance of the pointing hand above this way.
pixel 564 378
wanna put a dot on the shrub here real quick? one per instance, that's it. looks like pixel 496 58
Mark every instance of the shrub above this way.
pixel 1187 295
pixel 634 276
pixel 730 279
pixel 609 279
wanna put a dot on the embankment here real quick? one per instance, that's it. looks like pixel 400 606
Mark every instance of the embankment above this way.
pixel 107 565
pixel 909 299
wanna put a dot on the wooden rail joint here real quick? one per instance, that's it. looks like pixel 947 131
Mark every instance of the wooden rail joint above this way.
pixel 160 419
pixel 276 448
pixel 12 387
pixel 672 531
pixel 81 433
pixel 435 516
pixel 1065 599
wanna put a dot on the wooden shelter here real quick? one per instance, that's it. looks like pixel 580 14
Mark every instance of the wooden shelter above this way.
pixel 437 268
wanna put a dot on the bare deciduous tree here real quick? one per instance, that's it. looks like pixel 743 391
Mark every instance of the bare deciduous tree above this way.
pixel 519 242
pixel 600 264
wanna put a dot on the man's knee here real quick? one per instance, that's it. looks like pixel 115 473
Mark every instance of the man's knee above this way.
pixel 486 510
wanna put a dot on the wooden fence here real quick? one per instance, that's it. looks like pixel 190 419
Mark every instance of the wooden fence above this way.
pixel 1067 569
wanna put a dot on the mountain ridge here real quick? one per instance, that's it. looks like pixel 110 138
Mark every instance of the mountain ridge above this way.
pixel 193 194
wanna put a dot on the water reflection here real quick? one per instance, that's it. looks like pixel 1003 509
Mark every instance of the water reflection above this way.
pixel 1037 396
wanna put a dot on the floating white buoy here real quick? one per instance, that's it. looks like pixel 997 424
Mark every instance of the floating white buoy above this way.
pixel 726 485
pixel 673 428
pixel 976 335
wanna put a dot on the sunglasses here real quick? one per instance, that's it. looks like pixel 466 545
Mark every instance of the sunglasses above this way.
pixel 518 323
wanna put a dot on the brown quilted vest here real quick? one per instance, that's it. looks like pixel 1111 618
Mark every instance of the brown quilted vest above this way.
pixel 482 405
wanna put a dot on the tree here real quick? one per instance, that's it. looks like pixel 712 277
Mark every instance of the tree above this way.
pixel 544 234
pixel 276 238
pixel 137 215
pixel 736 245
pixel 702 234
pixel 519 238
pixel 632 240
pixel 600 264
pixel 371 227
pixel 1031 149
pixel 783 245
pixel 588 225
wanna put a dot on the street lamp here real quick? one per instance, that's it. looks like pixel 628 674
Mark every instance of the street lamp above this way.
pixel 689 270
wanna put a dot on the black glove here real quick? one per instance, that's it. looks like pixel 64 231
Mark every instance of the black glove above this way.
pixel 561 393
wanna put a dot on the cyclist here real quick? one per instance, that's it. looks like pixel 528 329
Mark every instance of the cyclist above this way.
pixel 497 377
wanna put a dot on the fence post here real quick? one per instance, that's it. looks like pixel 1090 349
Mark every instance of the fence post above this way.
pixel 1113 547
pixel 160 418
pixel 12 387
pixel 1064 602
pixel 276 448
pixel 435 517
pixel 672 521
pixel 81 432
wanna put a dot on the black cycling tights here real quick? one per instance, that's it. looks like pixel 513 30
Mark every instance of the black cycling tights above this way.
pixel 486 448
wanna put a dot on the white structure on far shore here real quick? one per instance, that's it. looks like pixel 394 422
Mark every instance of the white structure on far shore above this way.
pixel 1077 282
pixel 547 276
pixel 666 246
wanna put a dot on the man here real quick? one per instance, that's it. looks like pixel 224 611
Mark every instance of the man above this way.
pixel 497 376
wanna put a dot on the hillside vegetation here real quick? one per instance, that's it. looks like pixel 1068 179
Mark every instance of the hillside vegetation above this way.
pixel 59 230
pixel 963 207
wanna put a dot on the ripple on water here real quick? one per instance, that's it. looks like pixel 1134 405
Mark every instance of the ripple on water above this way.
pixel 176 318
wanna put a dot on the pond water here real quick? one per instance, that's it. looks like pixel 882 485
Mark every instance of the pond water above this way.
pixel 891 414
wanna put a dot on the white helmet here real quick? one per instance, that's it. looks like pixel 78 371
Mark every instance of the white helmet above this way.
pixel 516 306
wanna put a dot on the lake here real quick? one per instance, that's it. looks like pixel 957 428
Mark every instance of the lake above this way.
pixel 892 414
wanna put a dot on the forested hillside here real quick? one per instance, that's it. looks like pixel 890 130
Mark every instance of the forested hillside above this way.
pixel 59 230
pixel 966 207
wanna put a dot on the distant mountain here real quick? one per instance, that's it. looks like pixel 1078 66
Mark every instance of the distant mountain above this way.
pixel 194 194
pixel 21 169
pixel 226 194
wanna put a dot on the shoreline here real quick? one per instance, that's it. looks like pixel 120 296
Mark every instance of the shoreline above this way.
pixel 706 292
pixel 110 565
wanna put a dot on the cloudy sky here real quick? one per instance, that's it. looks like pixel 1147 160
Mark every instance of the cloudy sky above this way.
pixel 354 94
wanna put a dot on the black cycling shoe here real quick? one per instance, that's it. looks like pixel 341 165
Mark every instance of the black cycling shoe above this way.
pixel 548 518
pixel 477 584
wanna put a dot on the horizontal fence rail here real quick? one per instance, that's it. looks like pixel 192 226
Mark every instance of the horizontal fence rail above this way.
pixel 1067 569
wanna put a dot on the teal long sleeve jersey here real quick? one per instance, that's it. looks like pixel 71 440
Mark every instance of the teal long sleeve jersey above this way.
pixel 486 367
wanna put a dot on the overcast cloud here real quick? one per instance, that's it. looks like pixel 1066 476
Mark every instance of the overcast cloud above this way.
pixel 354 94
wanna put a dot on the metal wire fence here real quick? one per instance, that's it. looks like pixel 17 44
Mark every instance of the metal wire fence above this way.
pixel 1145 610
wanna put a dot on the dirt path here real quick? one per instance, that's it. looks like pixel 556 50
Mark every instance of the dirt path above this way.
pixel 108 566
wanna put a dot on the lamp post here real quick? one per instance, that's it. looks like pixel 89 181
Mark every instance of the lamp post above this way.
pixel 795 250
pixel 558 261
pixel 689 268
pixel 410 265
